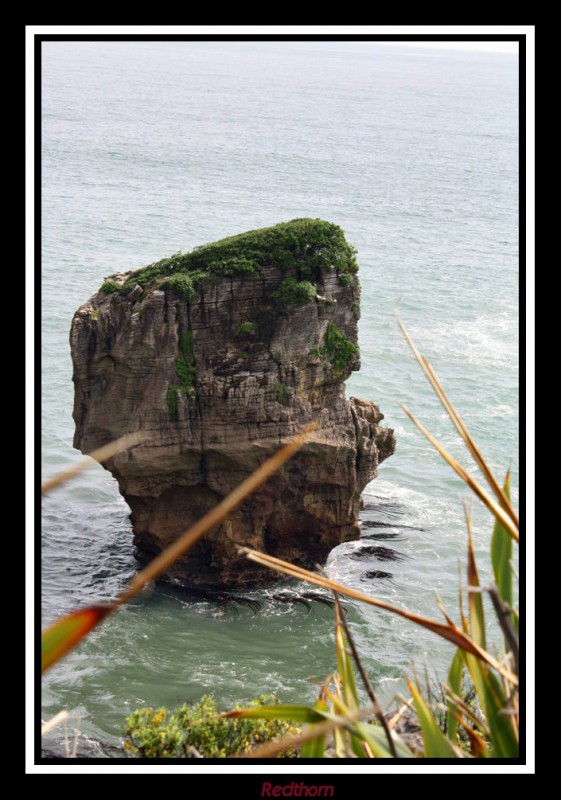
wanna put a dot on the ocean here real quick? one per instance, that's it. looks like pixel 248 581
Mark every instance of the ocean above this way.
pixel 149 148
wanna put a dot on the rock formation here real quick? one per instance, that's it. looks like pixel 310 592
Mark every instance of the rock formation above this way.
pixel 220 355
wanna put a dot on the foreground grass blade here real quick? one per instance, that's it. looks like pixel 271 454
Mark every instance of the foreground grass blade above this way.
pixel 455 682
pixel 65 633
pixel 291 713
pixel 97 457
pixel 364 740
pixel 475 599
pixel 348 684
pixel 504 736
pixel 58 719
pixel 509 625
pixel 343 641
pixel 502 496
pixel 214 517
pixel 315 748
pixel 436 745
pixel 376 739
pixel 493 702
pixel 345 667
pixel 477 743
pixel 495 509
pixel 467 713
pixel 309 734
pixel 501 555
pixel 342 621
pixel 446 631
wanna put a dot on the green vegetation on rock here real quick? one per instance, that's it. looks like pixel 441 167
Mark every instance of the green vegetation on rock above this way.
pixel 245 329
pixel 186 345
pixel 171 401
pixel 295 293
pixel 184 285
pixel 162 733
pixel 109 287
pixel 317 352
pixel 282 393
pixel 186 373
pixel 340 350
pixel 305 246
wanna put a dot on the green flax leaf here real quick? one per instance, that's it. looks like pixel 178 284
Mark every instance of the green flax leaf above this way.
pixel 65 633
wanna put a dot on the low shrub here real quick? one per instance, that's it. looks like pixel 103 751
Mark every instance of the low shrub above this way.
pixel 109 287
pixel 292 292
pixel 183 284
pixel 303 246
pixel 245 329
pixel 186 372
pixel 341 351
pixel 163 733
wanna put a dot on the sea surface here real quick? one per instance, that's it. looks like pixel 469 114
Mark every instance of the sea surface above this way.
pixel 151 148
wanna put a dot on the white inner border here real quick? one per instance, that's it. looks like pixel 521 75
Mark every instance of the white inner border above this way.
pixel 269 770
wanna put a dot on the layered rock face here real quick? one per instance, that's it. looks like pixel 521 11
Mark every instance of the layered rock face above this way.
pixel 219 366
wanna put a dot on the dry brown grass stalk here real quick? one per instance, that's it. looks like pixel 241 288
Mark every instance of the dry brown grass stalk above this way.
pixel 214 517
pixel 446 631
pixel 460 426
pixel 59 644
pixel 96 457
pixel 488 501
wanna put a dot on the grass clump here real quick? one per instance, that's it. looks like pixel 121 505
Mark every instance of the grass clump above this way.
pixel 109 287
pixel 185 365
pixel 341 351
pixel 246 329
pixel 171 402
pixel 163 733
pixel 186 345
pixel 184 285
pixel 317 352
pixel 305 246
pixel 186 373
pixel 295 293
pixel 282 393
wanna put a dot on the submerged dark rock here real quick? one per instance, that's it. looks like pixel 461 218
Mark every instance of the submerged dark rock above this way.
pixel 382 553
pixel 376 574
pixel 220 356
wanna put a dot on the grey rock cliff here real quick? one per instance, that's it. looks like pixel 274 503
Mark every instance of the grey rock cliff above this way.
pixel 219 382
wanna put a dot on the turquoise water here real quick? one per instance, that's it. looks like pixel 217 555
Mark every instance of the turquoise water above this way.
pixel 151 148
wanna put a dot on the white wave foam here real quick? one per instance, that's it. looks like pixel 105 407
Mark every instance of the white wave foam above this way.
pixel 487 339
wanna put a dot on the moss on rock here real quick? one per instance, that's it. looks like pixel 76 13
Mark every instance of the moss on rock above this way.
pixel 304 246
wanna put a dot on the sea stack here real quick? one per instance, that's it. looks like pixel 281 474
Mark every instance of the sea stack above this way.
pixel 220 356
